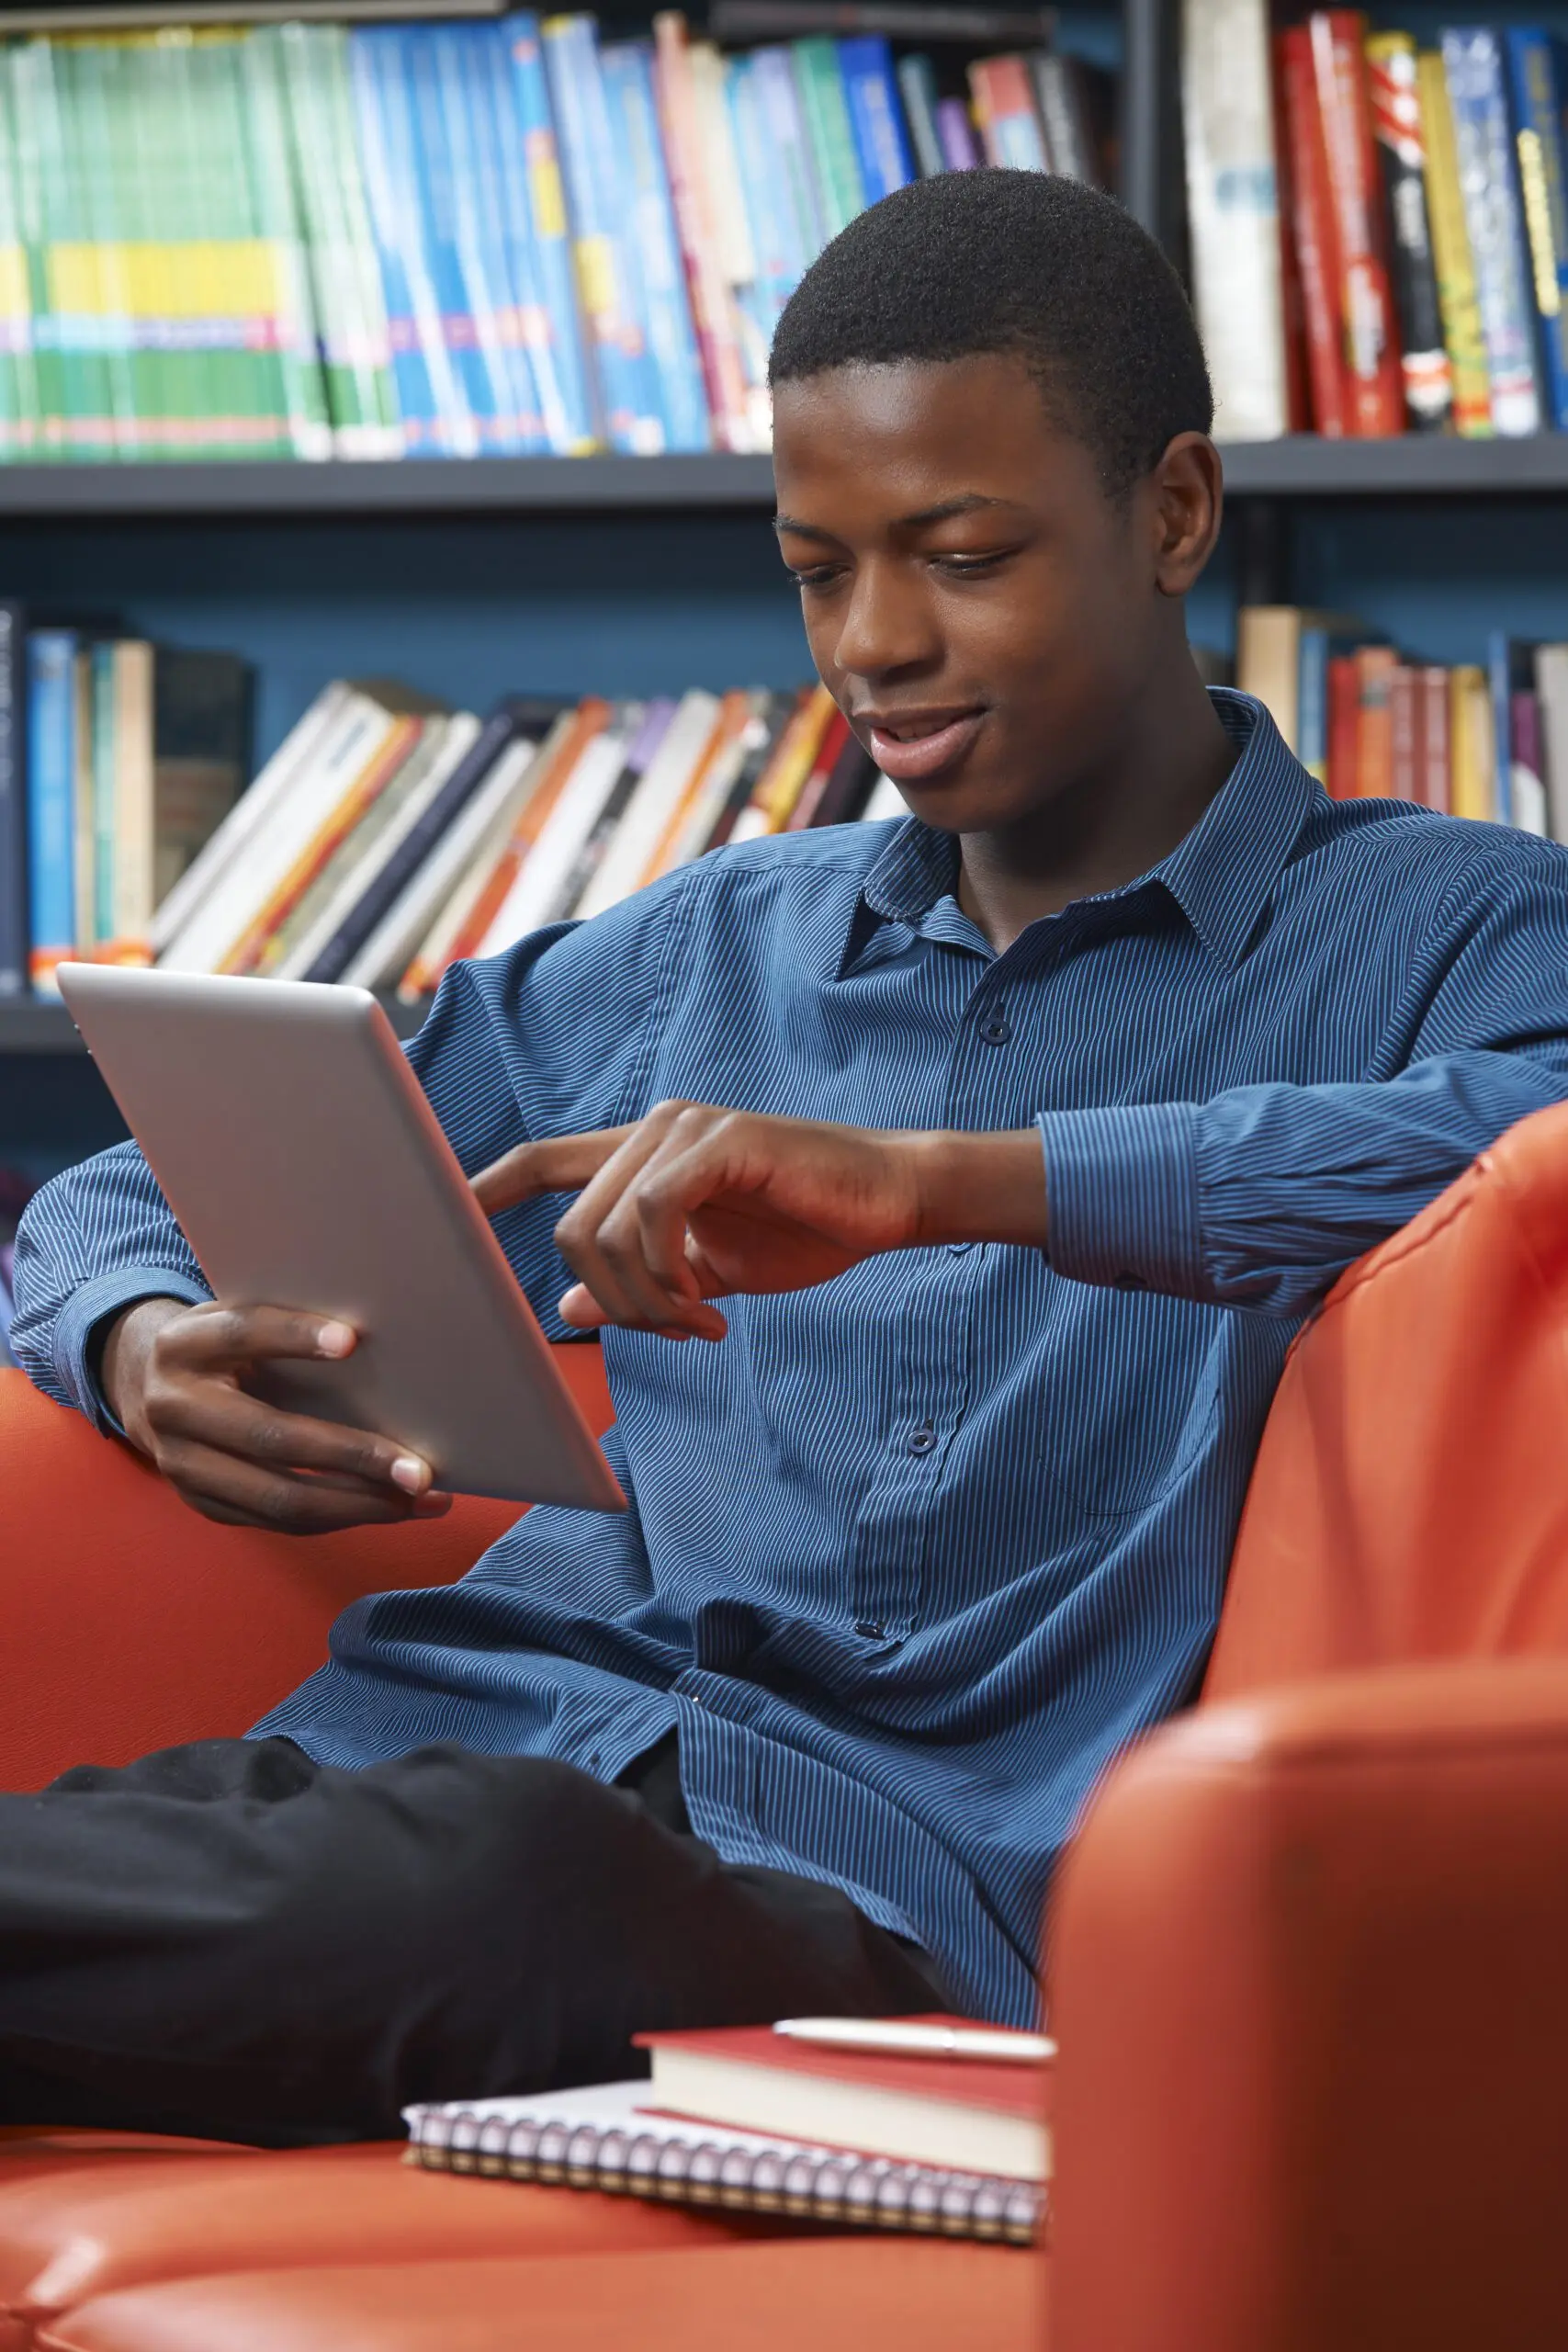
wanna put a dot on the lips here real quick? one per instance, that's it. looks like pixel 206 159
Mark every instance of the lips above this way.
pixel 913 748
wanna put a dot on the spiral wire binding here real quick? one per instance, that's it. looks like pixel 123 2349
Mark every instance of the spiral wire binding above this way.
pixel 859 2192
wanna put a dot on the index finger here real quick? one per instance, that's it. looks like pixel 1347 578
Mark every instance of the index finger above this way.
pixel 554 1164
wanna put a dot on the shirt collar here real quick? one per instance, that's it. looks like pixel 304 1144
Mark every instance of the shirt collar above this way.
pixel 1222 874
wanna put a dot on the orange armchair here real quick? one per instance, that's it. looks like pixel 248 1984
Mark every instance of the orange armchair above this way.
pixel 1307 1952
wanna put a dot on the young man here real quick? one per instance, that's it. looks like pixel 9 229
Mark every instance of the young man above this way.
pixel 1042 1120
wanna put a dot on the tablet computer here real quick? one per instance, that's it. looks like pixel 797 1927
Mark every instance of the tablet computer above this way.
pixel 306 1167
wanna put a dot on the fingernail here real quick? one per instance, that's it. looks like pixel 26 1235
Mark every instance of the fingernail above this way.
pixel 410 1474
pixel 334 1339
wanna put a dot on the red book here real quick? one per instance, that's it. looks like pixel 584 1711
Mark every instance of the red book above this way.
pixel 1292 300
pixel 1374 723
pixel 1344 725
pixel 962 2114
pixel 1313 236
pixel 1373 374
pixel 1004 96
pixel 1436 779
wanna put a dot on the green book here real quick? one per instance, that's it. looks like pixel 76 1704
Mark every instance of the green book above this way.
pixel 65 380
pixel 19 418
pixel 89 162
pixel 839 190
pixel 171 211
pixel 350 313
pixel 146 327
pixel 237 295
pixel 256 69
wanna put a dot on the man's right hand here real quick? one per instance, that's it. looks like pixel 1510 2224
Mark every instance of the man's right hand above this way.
pixel 175 1378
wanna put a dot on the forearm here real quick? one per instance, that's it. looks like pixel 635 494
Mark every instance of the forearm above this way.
pixel 1262 1196
pixel 91 1243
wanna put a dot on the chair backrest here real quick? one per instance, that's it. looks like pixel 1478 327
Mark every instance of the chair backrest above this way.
pixel 1410 1499
pixel 129 1622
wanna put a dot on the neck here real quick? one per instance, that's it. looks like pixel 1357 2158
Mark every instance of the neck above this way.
pixel 1110 825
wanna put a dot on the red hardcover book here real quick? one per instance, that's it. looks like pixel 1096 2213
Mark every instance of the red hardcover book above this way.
pixel 1292 302
pixel 1436 778
pixel 973 2115
pixel 803 813
pixel 1374 380
pixel 1344 725
pixel 1312 235
pixel 1374 723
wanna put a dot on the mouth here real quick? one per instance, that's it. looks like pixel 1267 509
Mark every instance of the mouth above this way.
pixel 912 745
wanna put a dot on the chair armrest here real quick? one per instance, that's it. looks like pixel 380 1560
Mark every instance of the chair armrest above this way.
pixel 1310 1975
pixel 128 1621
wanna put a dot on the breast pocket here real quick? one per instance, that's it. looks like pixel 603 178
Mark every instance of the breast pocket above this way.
pixel 1135 1397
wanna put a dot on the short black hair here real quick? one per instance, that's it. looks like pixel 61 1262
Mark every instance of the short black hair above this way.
pixel 1006 261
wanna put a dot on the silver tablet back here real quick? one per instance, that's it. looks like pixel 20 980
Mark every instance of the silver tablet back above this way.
pixel 306 1167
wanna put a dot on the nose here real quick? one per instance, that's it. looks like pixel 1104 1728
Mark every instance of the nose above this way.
pixel 888 624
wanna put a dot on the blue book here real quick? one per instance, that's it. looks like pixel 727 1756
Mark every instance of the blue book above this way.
pixel 51 796
pixel 790 156
pixel 875 116
pixel 466 54
pixel 381 119
pixel 13 802
pixel 628 380
pixel 653 244
pixel 766 197
pixel 468 393
pixel 1537 89
pixel 531 179
pixel 1312 701
pixel 1474 69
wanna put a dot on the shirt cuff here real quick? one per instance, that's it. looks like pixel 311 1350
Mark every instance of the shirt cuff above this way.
pixel 1122 1196
pixel 94 1302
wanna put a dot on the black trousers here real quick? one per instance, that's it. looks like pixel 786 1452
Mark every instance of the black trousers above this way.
pixel 230 1938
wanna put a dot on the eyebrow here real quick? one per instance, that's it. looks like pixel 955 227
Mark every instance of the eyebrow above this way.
pixel 971 502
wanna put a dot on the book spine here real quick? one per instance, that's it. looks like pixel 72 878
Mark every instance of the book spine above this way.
pixel 90 160
pixel 103 740
pixel 388 199
pixel 762 186
pixel 1311 219
pixel 1472 65
pixel 13 802
pixel 1061 94
pixel 369 423
pixel 1234 209
pixel 1403 717
pixel 917 87
pixel 723 374
pixel 1311 703
pixel 470 60
pixel 561 361
pixel 1374 389
pixel 632 423
pixel 1539 123
pixel 52 794
pixel 1470 740
pixel 1402 159
pixel 1451 252
pixel 1005 110
pixel 470 419
pixel 789 156
pixel 19 415
pixel 1435 786
pixel 1528 775
pixel 957 132
pixel 1344 723
pixel 293 315
pixel 1499 686
pixel 867 64
pixel 649 212
pixel 805 2182
pixel 734 251
pixel 840 193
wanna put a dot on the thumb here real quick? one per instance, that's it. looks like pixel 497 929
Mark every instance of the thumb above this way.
pixel 554 1164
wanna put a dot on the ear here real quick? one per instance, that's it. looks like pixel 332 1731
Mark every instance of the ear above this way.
pixel 1186 499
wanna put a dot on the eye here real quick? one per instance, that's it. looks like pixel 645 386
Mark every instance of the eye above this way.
pixel 968 567
pixel 815 575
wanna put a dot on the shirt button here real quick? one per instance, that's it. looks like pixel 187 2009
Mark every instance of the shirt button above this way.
pixel 922 1440
pixel 870 1629
pixel 1130 1281
pixel 959 1248
pixel 996 1028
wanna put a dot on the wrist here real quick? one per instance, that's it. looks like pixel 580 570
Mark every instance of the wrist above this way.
pixel 980 1188
pixel 122 1351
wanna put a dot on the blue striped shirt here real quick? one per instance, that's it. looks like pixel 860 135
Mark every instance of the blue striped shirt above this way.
pixel 913 1553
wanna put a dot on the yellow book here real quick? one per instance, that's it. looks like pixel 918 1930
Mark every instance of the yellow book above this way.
pixel 1450 252
pixel 1471 743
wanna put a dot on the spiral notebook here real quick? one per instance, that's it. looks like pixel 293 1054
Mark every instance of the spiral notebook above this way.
pixel 609 2137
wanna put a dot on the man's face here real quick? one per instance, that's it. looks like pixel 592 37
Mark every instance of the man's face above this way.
pixel 977 607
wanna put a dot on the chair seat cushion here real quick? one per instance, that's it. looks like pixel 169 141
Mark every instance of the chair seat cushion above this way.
pixel 90 2230
pixel 833 2295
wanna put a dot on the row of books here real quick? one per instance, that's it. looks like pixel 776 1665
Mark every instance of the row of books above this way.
pixel 1483 741
pixel 390 835
pixel 451 239
pixel 1379 231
